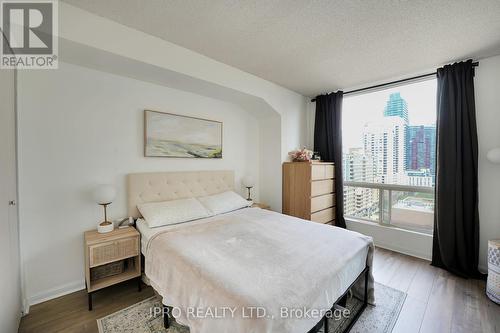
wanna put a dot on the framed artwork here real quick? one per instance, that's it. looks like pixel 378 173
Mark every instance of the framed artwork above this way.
pixel 172 135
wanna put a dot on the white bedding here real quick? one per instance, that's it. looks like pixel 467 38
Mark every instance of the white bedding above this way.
pixel 252 258
pixel 147 233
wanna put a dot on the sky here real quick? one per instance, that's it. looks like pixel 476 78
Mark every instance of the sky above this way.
pixel 357 110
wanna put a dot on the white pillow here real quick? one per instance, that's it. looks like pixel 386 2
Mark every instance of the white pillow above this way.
pixel 224 202
pixel 157 214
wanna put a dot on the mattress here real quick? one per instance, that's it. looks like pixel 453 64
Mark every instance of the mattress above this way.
pixel 253 258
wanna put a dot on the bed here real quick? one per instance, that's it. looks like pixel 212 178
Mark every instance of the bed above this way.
pixel 252 266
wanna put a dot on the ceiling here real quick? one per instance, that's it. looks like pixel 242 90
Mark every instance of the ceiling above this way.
pixel 318 46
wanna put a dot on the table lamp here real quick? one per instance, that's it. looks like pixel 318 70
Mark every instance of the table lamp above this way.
pixel 104 195
pixel 248 182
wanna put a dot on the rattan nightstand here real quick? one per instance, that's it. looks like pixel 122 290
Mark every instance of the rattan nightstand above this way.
pixel 261 205
pixel 111 258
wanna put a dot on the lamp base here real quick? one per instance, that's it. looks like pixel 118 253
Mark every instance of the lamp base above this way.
pixel 105 227
pixel 249 188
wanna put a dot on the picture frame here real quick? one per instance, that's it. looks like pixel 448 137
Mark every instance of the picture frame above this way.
pixel 179 136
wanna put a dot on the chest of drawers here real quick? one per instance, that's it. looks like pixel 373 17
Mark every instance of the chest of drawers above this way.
pixel 308 191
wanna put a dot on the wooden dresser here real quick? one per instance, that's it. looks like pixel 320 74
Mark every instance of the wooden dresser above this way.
pixel 308 191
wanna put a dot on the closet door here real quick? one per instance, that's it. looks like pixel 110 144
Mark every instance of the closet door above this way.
pixel 10 286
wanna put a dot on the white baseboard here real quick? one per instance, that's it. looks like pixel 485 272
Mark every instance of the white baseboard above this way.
pixel 406 251
pixel 25 307
pixel 54 293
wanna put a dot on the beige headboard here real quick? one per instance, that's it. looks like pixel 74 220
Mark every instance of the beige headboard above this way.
pixel 163 186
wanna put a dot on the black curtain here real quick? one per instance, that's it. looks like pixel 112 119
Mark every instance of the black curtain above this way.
pixel 456 219
pixel 328 143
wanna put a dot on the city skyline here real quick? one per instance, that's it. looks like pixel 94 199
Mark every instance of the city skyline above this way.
pixel 397 138
pixel 419 96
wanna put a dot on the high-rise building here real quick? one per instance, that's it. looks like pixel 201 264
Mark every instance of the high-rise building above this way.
pixel 358 167
pixel 385 143
pixel 421 148
pixel 420 177
pixel 396 107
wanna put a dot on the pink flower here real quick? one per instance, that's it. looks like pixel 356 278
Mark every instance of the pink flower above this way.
pixel 301 154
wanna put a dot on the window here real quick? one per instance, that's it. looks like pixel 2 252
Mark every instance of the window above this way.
pixel 389 155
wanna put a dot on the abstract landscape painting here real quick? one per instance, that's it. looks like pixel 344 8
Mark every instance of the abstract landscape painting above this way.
pixel 171 135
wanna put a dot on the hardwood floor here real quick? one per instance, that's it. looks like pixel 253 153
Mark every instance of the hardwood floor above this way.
pixel 69 314
pixel 436 301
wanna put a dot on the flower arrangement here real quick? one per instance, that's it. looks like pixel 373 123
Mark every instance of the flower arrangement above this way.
pixel 301 155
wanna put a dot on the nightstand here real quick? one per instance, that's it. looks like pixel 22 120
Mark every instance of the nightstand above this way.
pixel 111 258
pixel 261 205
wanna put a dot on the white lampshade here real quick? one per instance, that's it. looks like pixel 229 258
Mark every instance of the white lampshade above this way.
pixel 248 181
pixel 494 155
pixel 104 194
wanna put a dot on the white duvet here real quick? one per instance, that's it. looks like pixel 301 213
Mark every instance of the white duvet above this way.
pixel 254 271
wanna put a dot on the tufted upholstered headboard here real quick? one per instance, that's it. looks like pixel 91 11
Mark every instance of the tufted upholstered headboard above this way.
pixel 163 186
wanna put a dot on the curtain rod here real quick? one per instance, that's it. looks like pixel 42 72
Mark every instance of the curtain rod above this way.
pixel 474 64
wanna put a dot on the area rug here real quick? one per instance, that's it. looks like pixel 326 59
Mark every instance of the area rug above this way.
pixel 381 318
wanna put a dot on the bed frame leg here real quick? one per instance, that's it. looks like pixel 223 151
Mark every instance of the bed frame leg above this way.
pixel 166 319
pixel 90 301
pixel 343 301
pixel 365 298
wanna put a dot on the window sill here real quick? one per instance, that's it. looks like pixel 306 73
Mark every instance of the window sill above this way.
pixel 385 226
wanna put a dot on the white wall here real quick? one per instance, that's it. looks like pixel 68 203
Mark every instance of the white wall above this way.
pixel 487 89
pixel 91 41
pixel 404 241
pixel 82 27
pixel 10 280
pixel 80 127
